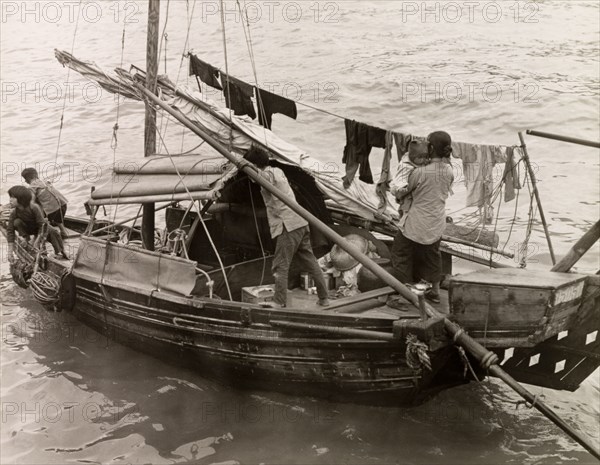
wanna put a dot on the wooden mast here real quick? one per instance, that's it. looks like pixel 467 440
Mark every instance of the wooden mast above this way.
pixel 150 121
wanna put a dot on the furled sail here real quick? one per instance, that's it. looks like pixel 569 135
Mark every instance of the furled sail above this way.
pixel 163 179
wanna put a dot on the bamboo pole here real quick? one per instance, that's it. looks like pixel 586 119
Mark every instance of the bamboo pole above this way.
pixel 472 258
pixel 537 197
pixel 350 332
pixel 579 249
pixel 128 220
pixel 475 245
pixel 150 120
pixel 572 140
pixel 487 359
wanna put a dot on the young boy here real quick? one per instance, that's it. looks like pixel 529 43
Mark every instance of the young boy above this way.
pixel 417 156
pixel 27 218
pixel 53 203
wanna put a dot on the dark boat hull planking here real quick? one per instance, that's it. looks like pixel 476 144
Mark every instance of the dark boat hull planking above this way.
pixel 214 340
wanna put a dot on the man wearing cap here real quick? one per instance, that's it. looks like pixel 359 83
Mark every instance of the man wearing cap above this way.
pixel 289 230
pixel 416 250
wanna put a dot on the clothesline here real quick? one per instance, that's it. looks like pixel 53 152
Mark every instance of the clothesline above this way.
pixel 210 74
pixel 478 159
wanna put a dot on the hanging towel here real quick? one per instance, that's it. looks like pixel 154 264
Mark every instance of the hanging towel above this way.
pixel 360 138
pixel 383 185
pixel 478 164
pixel 511 174
pixel 402 141
pixel 208 74
pixel 241 96
pixel 269 103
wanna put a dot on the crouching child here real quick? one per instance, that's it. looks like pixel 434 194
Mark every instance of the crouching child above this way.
pixel 27 219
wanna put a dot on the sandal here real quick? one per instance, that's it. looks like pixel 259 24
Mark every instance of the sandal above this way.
pixel 435 298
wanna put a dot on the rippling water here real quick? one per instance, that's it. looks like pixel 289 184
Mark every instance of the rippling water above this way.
pixel 69 395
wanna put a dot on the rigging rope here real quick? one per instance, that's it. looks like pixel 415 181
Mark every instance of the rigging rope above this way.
pixel 183 54
pixel 532 210
pixel 162 36
pixel 114 141
pixel 166 41
pixel 62 116
pixel 262 249
pixel 250 48
pixel 227 73
pixel 514 218
pixel 214 247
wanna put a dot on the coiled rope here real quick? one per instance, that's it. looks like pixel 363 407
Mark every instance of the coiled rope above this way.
pixel 45 288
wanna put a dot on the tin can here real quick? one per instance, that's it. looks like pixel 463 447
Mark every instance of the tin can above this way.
pixel 306 281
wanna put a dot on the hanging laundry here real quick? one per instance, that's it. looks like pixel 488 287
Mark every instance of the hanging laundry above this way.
pixel 511 174
pixel 269 103
pixel 208 74
pixel 241 94
pixel 383 185
pixel 478 164
pixel 360 138
pixel 402 141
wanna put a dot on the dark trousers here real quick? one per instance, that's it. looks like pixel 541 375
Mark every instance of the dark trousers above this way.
pixel 28 229
pixel 25 229
pixel 413 261
pixel 296 244
pixel 58 216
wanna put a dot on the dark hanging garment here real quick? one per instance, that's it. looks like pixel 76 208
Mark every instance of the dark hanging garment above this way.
pixel 360 138
pixel 241 96
pixel 376 137
pixel 269 103
pixel 208 74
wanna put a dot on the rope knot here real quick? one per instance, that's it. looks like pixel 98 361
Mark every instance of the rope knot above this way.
pixel 417 355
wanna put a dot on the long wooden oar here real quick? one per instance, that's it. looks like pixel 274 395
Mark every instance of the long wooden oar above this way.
pixel 487 359
pixel 579 249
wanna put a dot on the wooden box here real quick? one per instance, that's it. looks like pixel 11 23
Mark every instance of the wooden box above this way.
pixel 258 294
pixel 514 307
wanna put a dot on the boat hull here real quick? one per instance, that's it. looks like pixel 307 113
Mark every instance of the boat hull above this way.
pixel 215 341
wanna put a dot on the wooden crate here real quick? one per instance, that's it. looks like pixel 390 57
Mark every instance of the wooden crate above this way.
pixel 514 307
pixel 258 294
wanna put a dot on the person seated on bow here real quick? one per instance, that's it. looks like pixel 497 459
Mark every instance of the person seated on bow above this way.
pixel 28 220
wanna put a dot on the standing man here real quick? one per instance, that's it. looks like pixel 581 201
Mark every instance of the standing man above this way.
pixel 289 229
pixel 53 203
pixel 416 250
